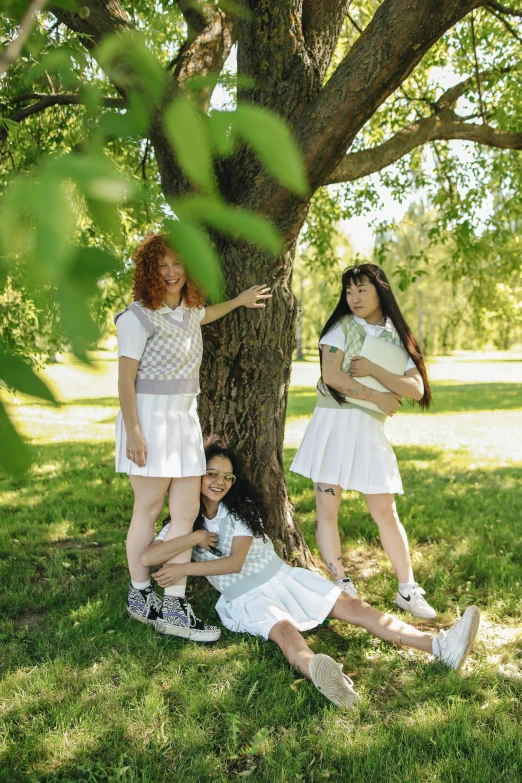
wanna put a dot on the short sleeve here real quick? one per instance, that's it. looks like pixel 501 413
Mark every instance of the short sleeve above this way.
pixel 335 337
pixel 132 336
pixel 201 313
pixel 410 366
pixel 163 532
pixel 240 529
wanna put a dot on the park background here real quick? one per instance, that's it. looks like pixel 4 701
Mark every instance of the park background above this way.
pixel 87 695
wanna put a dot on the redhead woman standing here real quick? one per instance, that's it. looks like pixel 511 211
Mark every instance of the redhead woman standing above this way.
pixel 158 436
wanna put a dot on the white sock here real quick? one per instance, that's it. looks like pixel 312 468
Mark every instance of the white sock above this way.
pixel 141 585
pixel 406 587
pixel 177 590
pixel 435 647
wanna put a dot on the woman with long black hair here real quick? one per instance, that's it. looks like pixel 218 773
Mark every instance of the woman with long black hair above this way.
pixel 345 446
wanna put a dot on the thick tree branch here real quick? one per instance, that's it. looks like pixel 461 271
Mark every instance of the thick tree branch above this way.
pixel 503 9
pixel 13 49
pixel 444 126
pixel 98 18
pixel 322 21
pixel 44 101
pixel 211 35
pixel 390 47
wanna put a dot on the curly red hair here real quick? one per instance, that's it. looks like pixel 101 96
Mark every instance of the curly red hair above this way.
pixel 148 285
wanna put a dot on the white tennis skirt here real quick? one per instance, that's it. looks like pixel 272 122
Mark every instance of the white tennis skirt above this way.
pixel 300 596
pixel 348 448
pixel 170 426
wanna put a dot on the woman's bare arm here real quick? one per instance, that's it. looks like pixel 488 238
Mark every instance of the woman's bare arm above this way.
pixel 408 385
pixel 345 384
pixel 136 446
pixel 170 574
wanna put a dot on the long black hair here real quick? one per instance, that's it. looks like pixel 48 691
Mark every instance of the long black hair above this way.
pixel 242 499
pixel 371 273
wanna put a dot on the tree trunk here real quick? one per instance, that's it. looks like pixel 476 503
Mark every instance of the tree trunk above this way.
pixel 245 377
pixel 299 332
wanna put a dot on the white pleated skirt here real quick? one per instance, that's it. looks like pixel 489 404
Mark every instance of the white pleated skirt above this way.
pixel 170 426
pixel 348 448
pixel 302 597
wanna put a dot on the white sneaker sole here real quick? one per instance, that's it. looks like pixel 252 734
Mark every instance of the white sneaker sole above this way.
pixel 473 627
pixel 187 633
pixel 402 603
pixel 140 618
pixel 328 678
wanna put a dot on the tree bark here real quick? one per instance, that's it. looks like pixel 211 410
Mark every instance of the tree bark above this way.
pixel 245 377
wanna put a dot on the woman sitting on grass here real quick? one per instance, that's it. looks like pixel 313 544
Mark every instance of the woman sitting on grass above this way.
pixel 262 595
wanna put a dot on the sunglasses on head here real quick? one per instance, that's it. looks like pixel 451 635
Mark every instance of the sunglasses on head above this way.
pixel 214 474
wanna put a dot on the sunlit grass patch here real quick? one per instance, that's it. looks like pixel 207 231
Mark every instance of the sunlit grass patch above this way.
pixel 88 695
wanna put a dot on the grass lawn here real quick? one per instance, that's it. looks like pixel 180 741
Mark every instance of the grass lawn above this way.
pixel 87 695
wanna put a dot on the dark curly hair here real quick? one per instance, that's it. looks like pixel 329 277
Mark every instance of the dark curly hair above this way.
pixel 148 285
pixel 242 499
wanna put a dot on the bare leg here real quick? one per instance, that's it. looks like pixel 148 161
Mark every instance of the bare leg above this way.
pixel 384 626
pixel 149 496
pixel 393 535
pixel 184 507
pixel 293 646
pixel 328 501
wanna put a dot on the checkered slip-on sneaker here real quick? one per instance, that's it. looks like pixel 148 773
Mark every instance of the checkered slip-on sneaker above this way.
pixel 178 619
pixel 327 676
pixel 143 605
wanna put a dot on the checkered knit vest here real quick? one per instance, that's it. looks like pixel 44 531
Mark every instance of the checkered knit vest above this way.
pixel 260 565
pixel 355 334
pixel 173 352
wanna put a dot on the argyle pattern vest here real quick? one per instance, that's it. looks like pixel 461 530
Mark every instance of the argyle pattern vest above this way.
pixel 261 563
pixel 172 357
pixel 355 334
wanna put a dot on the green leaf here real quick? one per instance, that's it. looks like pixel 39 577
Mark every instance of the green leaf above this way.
pixel 188 135
pixel 219 128
pixel 198 83
pixel 68 5
pixel 128 62
pixel 9 125
pixel 95 175
pixel 38 222
pixel 15 455
pixel 75 290
pixel 198 254
pixel 272 141
pixel 19 375
pixel 234 221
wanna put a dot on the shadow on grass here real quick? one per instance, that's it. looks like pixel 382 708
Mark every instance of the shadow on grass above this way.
pixel 447 398
pixel 91 696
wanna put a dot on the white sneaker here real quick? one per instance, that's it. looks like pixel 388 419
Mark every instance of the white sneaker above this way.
pixel 347 586
pixel 414 602
pixel 327 676
pixel 455 644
